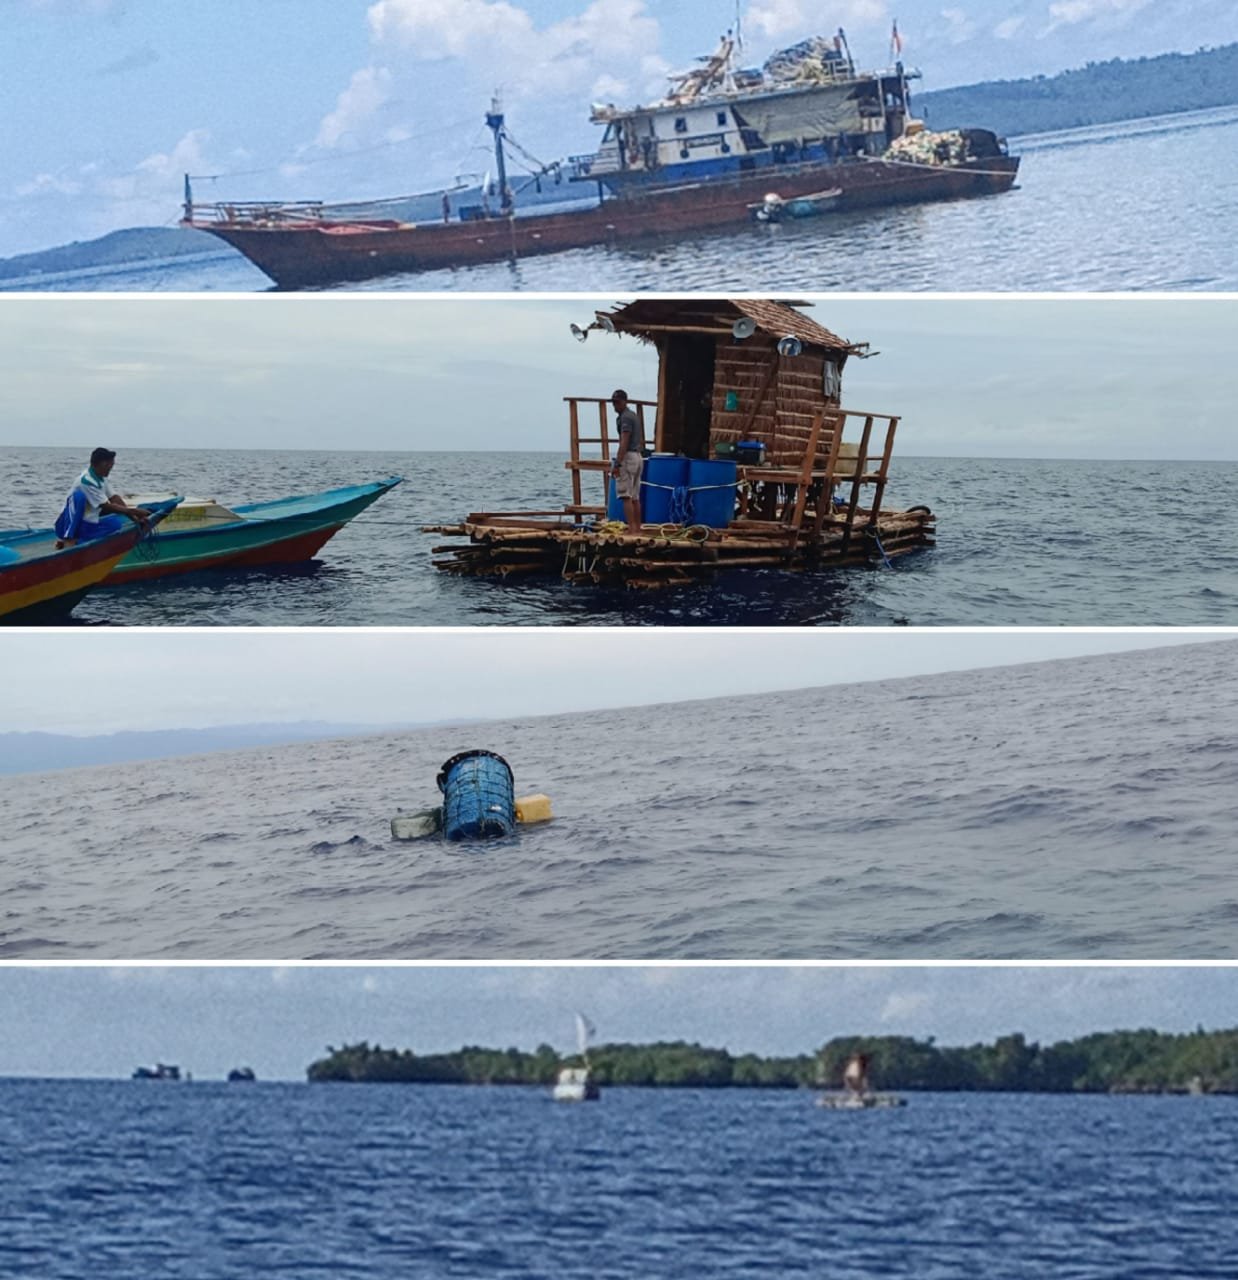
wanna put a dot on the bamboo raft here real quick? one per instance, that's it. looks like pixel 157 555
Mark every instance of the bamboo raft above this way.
pixel 509 544
pixel 815 502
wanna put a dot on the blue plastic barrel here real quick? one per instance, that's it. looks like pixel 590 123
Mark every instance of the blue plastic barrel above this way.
pixel 663 474
pixel 712 485
pixel 479 796
pixel 660 477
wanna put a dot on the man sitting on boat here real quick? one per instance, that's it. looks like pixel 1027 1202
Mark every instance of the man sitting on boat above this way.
pixel 93 508
pixel 629 461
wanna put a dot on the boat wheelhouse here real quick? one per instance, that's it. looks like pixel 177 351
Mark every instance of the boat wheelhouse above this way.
pixel 808 104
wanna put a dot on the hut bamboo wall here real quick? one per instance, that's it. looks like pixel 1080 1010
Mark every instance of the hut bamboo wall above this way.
pixel 789 400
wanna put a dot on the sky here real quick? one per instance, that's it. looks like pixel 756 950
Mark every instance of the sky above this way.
pixel 191 678
pixel 109 102
pixel 1031 377
pixel 99 1021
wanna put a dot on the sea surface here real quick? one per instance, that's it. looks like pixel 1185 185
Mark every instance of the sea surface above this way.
pixel 1079 809
pixel 1019 543
pixel 134 1180
pixel 1142 204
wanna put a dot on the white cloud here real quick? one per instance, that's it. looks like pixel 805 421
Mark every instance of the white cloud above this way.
pixel 902 1005
pixel 1008 28
pixel 148 193
pixel 776 18
pixel 49 184
pixel 1064 13
pixel 959 27
pixel 610 49
pixel 367 91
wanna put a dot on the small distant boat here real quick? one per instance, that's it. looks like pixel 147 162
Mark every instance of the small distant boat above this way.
pixel 241 1075
pixel 860 1102
pixel 41 581
pixel 160 1071
pixel 576 1084
pixel 857 1092
pixel 204 534
pixel 775 209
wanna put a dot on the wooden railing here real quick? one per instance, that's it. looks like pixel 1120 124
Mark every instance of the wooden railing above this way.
pixel 577 464
pixel 857 464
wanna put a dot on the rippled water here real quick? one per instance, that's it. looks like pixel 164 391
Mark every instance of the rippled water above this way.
pixel 1167 186
pixel 1084 809
pixel 211 1182
pixel 1019 542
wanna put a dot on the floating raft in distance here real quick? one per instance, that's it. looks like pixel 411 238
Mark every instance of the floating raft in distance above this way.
pixel 541 542
pixel 860 1101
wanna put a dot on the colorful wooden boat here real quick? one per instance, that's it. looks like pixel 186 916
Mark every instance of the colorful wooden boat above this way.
pixel 41 582
pixel 203 534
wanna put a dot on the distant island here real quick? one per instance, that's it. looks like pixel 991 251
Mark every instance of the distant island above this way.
pixel 1099 93
pixel 1143 1061
pixel 44 752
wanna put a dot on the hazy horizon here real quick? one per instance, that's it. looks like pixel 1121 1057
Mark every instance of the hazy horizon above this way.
pixel 558 671
pixel 1098 378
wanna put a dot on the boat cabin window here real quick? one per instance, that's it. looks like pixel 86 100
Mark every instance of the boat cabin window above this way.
pixel 722 117
pixel 681 124
pixel 609 135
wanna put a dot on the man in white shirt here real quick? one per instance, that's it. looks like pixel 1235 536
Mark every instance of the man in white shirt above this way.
pixel 91 501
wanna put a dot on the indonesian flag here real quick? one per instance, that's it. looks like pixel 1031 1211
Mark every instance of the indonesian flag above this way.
pixel 896 41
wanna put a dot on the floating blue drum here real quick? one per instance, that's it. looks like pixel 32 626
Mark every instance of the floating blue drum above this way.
pixel 711 483
pixel 479 796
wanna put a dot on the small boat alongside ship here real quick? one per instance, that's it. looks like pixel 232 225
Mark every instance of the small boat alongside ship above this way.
pixel 721 142
pixel 203 534
pixel 42 580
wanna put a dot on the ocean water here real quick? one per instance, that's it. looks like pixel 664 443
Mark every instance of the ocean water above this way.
pixel 1019 543
pixel 212 1181
pixel 1076 809
pixel 1143 204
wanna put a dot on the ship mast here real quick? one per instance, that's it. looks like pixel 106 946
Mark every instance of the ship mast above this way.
pixel 494 122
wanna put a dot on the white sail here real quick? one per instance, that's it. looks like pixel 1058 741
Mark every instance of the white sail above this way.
pixel 585 1031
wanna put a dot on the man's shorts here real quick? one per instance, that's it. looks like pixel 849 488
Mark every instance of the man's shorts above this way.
pixel 627 481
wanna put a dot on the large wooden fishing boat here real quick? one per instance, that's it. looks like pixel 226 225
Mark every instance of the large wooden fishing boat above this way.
pixel 756 462
pixel 42 580
pixel 723 140
pixel 204 534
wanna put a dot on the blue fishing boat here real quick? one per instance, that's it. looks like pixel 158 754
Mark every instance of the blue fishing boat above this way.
pixel 204 534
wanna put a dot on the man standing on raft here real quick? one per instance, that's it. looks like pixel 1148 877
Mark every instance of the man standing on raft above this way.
pixel 93 508
pixel 629 461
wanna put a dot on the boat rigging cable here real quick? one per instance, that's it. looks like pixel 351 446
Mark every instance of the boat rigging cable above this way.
pixel 337 158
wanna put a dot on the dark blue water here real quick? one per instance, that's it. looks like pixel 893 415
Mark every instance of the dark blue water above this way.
pixel 1145 204
pixel 215 1182
pixel 1077 809
pixel 1019 543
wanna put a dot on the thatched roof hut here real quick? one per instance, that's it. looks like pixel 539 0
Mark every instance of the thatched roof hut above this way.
pixel 722 376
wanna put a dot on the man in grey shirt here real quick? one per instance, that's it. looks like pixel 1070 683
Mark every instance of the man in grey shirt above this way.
pixel 629 460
